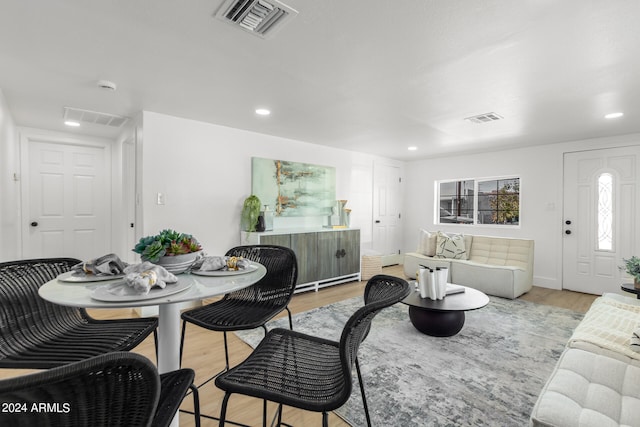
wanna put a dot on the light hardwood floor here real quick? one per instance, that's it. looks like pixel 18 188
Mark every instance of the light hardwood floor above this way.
pixel 204 353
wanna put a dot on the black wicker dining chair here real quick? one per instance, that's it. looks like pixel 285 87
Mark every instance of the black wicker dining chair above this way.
pixel 113 389
pixel 37 334
pixel 308 372
pixel 254 306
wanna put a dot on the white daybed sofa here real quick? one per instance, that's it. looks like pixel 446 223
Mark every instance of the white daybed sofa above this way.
pixel 596 382
pixel 494 265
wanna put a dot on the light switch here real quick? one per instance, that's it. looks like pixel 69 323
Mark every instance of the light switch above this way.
pixel 160 199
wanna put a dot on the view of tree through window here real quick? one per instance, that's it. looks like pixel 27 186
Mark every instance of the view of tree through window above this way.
pixel 494 201
pixel 499 201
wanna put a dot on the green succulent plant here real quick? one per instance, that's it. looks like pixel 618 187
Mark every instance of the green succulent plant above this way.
pixel 166 243
pixel 250 213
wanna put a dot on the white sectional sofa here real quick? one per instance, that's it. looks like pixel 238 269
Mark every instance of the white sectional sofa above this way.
pixel 497 266
pixel 596 382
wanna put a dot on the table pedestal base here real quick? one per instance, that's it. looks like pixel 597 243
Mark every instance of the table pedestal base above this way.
pixel 436 323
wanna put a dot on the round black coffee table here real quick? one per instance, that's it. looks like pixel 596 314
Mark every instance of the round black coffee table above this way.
pixel 445 317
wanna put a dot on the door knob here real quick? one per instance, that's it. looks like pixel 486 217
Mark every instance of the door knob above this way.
pixel 568 222
pixel 377 221
pixel 567 232
pixel 34 224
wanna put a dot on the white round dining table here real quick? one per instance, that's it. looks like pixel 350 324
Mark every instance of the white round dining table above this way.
pixel 79 294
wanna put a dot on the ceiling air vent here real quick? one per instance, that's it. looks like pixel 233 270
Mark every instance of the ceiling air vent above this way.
pixel 93 117
pixel 485 118
pixel 260 17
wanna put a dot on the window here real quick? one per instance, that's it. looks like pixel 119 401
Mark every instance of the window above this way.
pixel 488 201
pixel 605 212
pixel 499 201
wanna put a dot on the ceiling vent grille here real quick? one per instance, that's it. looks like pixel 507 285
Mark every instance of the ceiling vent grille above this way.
pixel 93 117
pixel 485 118
pixel 259 17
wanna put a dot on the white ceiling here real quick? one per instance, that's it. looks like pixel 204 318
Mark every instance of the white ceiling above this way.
pixel 366 75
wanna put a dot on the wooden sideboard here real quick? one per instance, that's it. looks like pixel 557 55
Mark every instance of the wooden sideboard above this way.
pixel 325 256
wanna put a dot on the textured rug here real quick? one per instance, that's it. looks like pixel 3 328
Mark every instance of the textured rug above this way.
pixel 490 374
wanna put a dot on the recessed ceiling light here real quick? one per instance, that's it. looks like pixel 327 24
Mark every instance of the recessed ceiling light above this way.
pixel 262 111
pixel 106 85
pixel 412 148
pixel 71 123
pixel 614 115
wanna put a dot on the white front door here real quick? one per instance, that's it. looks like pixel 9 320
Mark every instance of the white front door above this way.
pixel 386 212
pixel 601 221
pixel 66 198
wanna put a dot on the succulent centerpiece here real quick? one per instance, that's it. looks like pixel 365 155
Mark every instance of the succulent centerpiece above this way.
pixel 173 250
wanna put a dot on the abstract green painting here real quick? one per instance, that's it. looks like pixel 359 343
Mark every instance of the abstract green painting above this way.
pixel 292 188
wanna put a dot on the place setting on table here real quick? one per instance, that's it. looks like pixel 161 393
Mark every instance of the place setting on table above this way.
pixel 173 268
pixel 146 280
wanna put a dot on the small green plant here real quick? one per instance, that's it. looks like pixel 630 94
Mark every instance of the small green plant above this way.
pixel 250 213
pixel 166 243
pixel 632 267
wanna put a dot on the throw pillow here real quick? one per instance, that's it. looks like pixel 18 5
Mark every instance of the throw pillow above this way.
pixel 450 246
pixel 635 340
pixel 427 243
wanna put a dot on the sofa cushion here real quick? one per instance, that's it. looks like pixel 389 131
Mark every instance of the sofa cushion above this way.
pixel 589 390
pixel 413 261
pixel 427 243
pixel 500 280
pixel 450 246
pixel 501 251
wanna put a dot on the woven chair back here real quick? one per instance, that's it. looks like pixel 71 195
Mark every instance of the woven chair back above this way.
pixel 381 291
pixel 24 316
pixel 277 286
pixel 115 389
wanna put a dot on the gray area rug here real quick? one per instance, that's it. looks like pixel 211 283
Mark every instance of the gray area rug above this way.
pixel 490 374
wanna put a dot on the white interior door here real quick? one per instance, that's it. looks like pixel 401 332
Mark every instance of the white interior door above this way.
pixel 66 199
pixel 601 222
pixel 386 212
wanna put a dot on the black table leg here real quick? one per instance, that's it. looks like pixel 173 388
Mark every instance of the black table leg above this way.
pixel 436 323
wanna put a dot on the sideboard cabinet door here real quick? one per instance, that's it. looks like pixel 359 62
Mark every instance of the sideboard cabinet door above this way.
pixel 338 253
pixel 328 255
pixel 305 246
pixel 349 246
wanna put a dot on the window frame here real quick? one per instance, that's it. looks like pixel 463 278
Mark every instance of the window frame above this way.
pixel 475 195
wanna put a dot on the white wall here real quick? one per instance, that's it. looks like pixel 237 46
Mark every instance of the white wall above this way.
pixel 204 172
pixel 9 187
pixel 541 172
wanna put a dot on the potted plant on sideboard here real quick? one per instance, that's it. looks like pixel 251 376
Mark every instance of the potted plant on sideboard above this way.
pixel 250 213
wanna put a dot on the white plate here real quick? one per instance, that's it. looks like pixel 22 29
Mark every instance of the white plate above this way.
pixel 120 291
pixel 251 268
pixel 73 277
